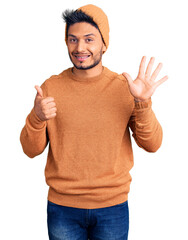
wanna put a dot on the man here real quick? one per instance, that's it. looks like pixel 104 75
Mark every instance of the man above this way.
pixel 85 114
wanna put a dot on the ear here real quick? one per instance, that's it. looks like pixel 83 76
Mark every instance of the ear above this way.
pixel 104 48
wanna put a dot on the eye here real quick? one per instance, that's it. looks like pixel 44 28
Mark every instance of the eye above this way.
pixel 72 40
pixel 89 40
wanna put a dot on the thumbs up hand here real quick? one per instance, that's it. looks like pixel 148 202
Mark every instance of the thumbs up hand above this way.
pixel 45 108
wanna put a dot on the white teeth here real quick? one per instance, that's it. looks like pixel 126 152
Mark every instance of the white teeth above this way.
pixel 81 57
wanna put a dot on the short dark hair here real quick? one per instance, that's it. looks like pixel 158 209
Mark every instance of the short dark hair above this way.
pixel 75 16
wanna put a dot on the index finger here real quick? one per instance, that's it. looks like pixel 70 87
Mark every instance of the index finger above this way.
pixel 48 100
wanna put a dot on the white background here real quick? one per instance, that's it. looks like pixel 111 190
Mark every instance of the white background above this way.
pixel 32 49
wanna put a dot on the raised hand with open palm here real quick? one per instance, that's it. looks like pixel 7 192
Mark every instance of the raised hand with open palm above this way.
pixel 143 87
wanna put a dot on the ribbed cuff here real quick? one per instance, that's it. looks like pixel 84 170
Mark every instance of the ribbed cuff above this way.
pixel 142 105
pixel 35 121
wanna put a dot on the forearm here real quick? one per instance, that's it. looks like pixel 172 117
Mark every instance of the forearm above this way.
pixel 33 136
pixel 147 131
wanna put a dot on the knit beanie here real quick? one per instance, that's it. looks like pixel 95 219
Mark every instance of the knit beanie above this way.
pixel 100 18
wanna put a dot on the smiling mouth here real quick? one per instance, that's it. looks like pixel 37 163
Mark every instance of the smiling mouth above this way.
pixel 81 58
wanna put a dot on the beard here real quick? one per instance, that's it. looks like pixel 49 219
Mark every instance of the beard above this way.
pixel 96 60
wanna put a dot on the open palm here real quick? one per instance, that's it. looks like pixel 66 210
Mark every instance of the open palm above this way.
pixel 143 87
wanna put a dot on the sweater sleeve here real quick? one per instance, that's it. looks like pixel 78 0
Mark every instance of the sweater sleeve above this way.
pixel 33 137
pixel 146 129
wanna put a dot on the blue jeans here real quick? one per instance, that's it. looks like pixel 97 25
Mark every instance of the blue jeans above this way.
pixel 68 223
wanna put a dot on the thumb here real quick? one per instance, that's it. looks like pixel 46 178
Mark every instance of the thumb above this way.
pixel 128 77
pixel 39 91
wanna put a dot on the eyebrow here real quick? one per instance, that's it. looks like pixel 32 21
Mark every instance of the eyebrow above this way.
pixel 87 35
pixel 90 34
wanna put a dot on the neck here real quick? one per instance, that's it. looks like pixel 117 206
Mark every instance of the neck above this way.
pixel 89 73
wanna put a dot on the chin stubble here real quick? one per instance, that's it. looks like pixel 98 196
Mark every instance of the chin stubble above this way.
pixel 96 62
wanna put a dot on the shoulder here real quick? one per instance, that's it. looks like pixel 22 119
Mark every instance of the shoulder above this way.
pixel 117 77
pixel 53 82
pixel 120 82
pixel 56 77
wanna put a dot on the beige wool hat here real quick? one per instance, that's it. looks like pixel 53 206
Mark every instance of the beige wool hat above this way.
pixel 100 18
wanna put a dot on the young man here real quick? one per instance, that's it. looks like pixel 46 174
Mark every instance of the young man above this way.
pixel 85 114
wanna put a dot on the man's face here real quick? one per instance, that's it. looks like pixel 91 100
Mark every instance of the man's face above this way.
pixel 85 45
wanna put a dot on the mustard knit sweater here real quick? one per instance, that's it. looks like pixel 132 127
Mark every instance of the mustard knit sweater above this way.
pixel 90 152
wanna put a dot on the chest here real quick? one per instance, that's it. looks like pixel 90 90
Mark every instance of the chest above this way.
pixel 89 109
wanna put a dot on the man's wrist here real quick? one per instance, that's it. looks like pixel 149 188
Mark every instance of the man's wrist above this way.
pixel 142 103
pixel 139 100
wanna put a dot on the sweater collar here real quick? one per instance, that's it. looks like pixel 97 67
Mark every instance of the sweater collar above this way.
pixel 86 80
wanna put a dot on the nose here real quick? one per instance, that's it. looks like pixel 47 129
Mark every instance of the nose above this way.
pixel 81 46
